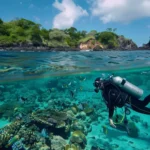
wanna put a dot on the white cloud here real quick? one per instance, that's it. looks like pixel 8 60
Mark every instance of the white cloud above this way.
pixel 31 6
pixel 120 10
pixel 70 12
pixel 37 19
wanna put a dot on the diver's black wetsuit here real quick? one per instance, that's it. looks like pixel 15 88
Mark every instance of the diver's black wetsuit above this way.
pixel 115 97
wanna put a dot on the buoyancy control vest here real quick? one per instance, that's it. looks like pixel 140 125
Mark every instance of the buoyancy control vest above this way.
pixel 113 95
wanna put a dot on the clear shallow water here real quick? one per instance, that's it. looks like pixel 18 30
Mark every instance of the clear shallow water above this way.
pixel 26 65
pixel 58 80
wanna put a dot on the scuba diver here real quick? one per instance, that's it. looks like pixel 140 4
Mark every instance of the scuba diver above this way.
pixel 118 92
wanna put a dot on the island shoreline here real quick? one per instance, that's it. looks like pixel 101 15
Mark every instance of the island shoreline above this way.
pixel 64 49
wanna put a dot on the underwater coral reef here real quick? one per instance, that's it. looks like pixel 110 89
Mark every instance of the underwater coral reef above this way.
pixel 64 113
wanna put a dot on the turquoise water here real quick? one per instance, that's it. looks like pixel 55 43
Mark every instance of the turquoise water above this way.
pixel 63 81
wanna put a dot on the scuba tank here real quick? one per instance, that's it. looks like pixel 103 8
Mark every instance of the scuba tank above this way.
pixel 127 86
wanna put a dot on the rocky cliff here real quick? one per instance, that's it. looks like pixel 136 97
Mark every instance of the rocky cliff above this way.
pixel 91 44
pixel 146 46
pixel 126 44
pixel 123 44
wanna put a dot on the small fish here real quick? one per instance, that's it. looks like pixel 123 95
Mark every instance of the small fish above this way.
pixel 22 99
pixel 72 94
pixel 105 131
pixel 84 79
pixel 65 86
pixel 74 90
pixel 69 83
pixel 44 133
pixel 81 88
pixel 93 137
pixel 80 107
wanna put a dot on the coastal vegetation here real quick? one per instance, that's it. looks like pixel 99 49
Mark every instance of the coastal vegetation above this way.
pixel 23 32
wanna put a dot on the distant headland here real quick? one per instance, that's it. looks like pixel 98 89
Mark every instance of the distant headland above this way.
pixel 21 34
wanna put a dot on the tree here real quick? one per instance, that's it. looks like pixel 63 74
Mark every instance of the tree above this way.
pixel 92 32
pixel 23 23
pixel 97 35
pixel 71 31
pixel 75 36
pixel 1 21
pixel 58 35
pixel 114 29
pixel 108 38
pixel 45 33
pixel 58 38
pixel 35 36
pixel 109 29
pixel 83 33
pixel 4 30
pixel 19 31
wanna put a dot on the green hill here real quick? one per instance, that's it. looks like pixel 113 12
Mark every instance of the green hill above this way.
pixel 22 32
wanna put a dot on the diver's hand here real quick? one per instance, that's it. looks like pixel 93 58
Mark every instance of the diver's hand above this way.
pixel 111 123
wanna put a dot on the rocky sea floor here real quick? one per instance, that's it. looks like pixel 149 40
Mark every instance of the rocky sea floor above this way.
pixel 64 113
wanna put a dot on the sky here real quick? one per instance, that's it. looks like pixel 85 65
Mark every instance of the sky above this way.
pixel 130 17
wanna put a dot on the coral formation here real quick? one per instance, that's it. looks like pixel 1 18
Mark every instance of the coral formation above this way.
pixel 58 143
pixel 78 137
pixel 72 147
pixel 59 116
pixel 133 130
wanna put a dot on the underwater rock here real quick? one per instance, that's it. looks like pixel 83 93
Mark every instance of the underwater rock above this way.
pixel 115 146
pixel 96 148
pixel 133 130
pixel 145 124
pixel 58 143
pixel 70 115
pixel 72 147
pixel 77 125
pixel 61 124
pixel 130 128
pixel 74 109
pixel 135 118
pixel 88 110
pixel 52 120
pixel 6 110
pixel 50 117
pixel 47 122
pixel 78 137
pixel 67 128
pixel 44 147
pixel 57 121
pixel 81 115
